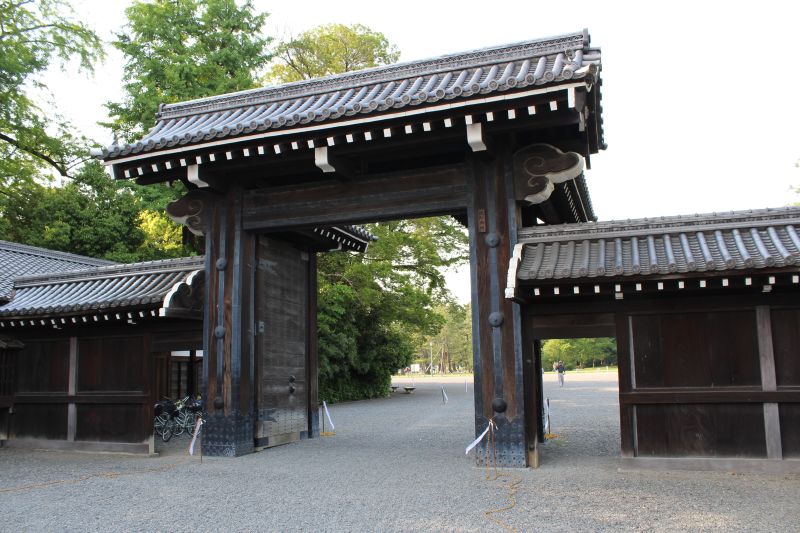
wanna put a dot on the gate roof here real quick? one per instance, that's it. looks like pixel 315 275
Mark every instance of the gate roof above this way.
pixel 372 94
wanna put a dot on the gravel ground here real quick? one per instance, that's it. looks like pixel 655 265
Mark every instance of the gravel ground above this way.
pixel 395 464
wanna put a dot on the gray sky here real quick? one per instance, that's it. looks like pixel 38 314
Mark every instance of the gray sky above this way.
pixel 699 98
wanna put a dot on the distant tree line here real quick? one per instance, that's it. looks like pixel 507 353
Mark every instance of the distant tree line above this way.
pixel 579 353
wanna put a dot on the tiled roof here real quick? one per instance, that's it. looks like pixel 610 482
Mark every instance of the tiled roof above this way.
pixel 375 91
pixel 744 240
pixel 104 289
pixel 22 260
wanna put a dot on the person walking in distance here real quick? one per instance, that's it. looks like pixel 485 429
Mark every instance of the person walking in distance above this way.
pixel 560 370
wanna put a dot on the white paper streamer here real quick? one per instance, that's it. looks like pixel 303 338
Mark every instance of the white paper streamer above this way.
pixel 195 433
pixel 327 414
pixel 480 438
pixel 444 396
pixel 547 416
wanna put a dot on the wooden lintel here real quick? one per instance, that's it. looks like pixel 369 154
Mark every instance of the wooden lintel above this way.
pixel 379 197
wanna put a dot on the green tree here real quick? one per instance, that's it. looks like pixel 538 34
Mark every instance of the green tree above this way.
pixel 374 307
pixel 34 142
pixel 90 215
pixel 177 50
pixel 331 49
pixel 589 352
pixel 452 345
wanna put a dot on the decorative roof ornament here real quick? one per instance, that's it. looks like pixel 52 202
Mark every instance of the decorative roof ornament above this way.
pixel 538 167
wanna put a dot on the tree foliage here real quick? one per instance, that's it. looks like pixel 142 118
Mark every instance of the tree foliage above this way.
pixel 33 143
pixel 374 307
pixel 90 215
pixel 331 49
pixel 451 348
pixel 579 353
pixel 177 50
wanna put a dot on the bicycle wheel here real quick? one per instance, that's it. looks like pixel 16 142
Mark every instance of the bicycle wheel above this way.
pixel 159 423
pixel 167 433
pixel 178 424
pixel 188 423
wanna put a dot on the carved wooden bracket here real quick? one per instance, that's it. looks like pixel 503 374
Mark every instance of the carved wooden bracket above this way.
pixel 192 210
pixel 538 166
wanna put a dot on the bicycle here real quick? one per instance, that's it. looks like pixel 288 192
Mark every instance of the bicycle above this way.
pixel 164 423
pixel 190 410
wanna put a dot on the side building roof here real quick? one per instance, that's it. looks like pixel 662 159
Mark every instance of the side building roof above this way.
pixel 659 247
pixel 22 260
pixel 172 287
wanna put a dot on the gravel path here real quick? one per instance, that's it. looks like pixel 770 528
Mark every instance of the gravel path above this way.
pixel 395 464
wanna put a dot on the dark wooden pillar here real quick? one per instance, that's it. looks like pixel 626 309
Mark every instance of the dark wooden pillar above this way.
pixel 532 387
pixel 496 321
pixel 191 373
pixel 627 382
pixel 227 334
pixel 312 362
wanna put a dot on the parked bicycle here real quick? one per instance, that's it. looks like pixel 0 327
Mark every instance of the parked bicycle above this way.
pixel 190 411
pixel 172 418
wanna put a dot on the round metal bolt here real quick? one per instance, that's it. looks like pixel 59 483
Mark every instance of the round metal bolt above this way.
pixel 292 379
pixel 222 263
pixel 496 319
pixel 499 405
pixel 219 332
pixel 492 240
pixel 292 389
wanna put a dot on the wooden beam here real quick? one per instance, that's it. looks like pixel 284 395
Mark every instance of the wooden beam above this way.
pixel 381 197
pixel 718 395
pixel 72 411
pixel 766 353
pixel 573 326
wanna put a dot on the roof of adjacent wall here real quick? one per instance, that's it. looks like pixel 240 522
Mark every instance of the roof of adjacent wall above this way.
pixel 105 289
pixel 717 242
pixel 23 260
pixel 376 91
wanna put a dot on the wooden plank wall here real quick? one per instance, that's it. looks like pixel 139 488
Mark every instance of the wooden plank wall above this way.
pixel 722 382
pixel 90 389
pixel 786 348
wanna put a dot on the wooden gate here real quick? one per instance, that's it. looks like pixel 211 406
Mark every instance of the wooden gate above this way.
pixel 281 305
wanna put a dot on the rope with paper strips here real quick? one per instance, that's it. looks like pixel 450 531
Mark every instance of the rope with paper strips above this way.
pixel 514 479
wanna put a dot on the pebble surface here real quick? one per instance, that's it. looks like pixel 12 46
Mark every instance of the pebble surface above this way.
pixel 396 464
